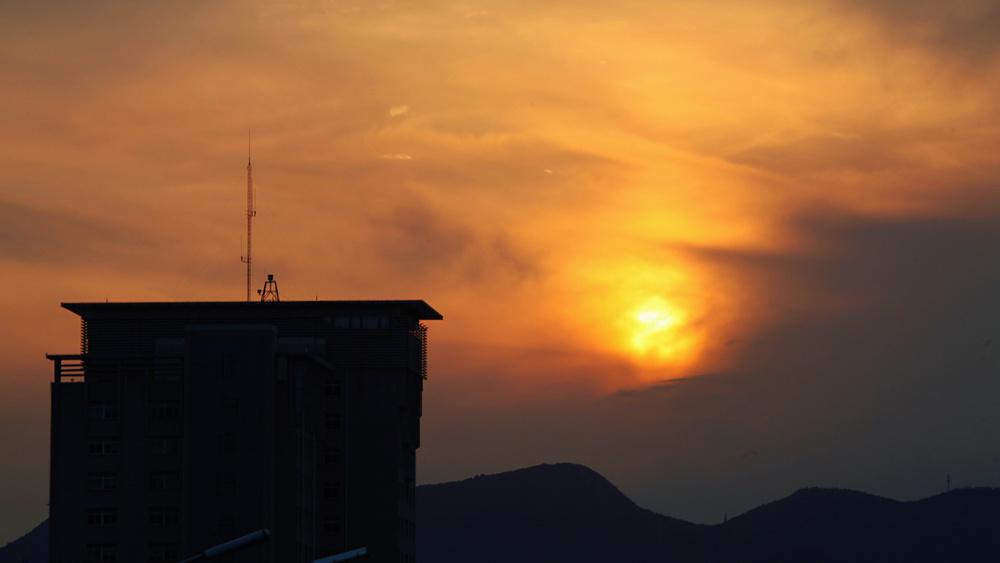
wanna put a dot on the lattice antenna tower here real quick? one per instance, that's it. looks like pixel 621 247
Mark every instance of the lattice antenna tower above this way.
pixel 251 213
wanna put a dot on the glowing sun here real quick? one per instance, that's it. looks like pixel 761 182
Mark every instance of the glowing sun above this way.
pixel 657 330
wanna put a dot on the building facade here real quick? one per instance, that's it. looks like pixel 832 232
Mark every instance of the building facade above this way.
pixel 181 426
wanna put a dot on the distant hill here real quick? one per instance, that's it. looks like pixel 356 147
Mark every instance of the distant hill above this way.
pixel 548 513
pixel 843 525
pixel 32 547
pixel 568 513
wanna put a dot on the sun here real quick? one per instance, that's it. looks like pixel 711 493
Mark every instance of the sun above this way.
pixel 653 314
pixel 658 331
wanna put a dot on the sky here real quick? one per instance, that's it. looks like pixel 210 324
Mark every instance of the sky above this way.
pixel 714 250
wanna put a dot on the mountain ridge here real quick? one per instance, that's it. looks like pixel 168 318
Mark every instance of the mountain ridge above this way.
pixel 568 512
pixel 32 547
pixel 812 524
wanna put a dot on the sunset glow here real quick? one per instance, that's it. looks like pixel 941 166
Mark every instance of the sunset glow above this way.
pixel 611 203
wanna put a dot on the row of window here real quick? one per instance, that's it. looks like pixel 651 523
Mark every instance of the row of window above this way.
pixel 158 516
pixel 171 446
pixel 331 422
pixel 165 410
pixel 332 386
pixel 162 410
pixel 101 411
pixel 157 446
pixel 108 410
pixel 227 443
pixel 406 528
pixel 102 552
pixel 165 552
pixel 331 490
pixel 225 485
pixel 407 493
pixel 108 480
pixel 104 517
pixel 331 455
pixel 331 524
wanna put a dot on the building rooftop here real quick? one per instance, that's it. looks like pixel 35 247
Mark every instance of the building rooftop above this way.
pixel 416 309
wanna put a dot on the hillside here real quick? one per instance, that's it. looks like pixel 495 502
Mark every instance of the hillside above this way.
pixel 564 512
pixel 569 513
pixel 549 513
pixel 32 547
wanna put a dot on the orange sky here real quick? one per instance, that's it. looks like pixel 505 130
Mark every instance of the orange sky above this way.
pixel 597 197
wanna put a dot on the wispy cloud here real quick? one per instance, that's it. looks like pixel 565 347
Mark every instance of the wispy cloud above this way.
pixel 554 167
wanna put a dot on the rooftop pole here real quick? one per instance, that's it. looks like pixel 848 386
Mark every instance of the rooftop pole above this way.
pixel 251 212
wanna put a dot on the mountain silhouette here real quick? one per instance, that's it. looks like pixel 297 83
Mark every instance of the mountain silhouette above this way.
pixel 32 547
pixel 550 513
pixel 569 513
pixel 565 512
pixel 843 525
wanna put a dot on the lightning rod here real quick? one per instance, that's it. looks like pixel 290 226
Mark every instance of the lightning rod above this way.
pixel 251 212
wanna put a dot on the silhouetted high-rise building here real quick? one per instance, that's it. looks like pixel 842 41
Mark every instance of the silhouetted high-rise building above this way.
pixel 181 426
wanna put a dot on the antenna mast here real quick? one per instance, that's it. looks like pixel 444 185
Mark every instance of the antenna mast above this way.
pixel 251 212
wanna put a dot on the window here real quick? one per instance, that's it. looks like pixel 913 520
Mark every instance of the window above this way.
pixel 331 490
pixel 164 516
pixel 331 455
pixel 406 528
pixel 102 481
pixel 164 480
pixel 102 411
pixel 163 410
pixel 103 446
pixel 163 552
pixel 331 422
pixel 102 552
pixel 225 485
pixel 167 369
pixel 227 443
pixel 331 525
pixel 102 516
pixel 406 491
pixel 164 446
pixel 228 406
pixel 227 367
pixel 332 386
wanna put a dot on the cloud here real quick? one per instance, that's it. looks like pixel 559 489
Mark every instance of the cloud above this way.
pixel 29 234
pixel 416 239
pixel 823 153
pixel 480 14
pixel 396 111
pixel 876 335
pixel 397 156
pixel 871 262
pixel 871 371
pixel 967 29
